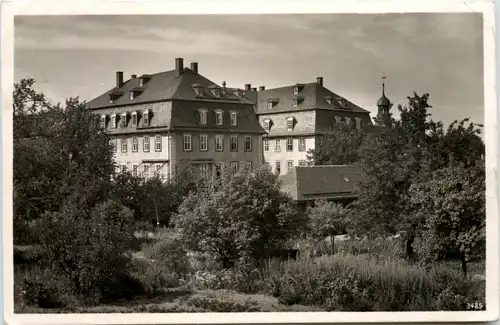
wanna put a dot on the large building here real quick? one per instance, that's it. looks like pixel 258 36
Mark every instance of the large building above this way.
pixel 294 116
pixel 160 120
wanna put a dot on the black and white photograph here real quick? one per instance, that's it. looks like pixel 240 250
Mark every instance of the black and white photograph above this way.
pixel 266 163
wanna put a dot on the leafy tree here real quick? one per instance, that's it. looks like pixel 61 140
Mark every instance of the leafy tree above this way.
pixel 238 217
pixel 90 250
pixel 453 206
pixel 338 146
pixel 326 219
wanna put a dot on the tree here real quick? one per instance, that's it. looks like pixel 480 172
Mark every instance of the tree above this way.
pixel 326 219
pixel 338 146
pixel 453 206
pixel 238 217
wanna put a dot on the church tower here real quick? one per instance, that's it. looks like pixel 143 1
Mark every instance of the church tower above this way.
pixel 383 104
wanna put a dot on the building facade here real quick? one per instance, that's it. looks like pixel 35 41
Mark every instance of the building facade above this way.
pixel 161 120
pixel 294 116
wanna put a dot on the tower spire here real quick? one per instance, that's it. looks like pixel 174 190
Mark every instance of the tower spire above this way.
pixel 383 83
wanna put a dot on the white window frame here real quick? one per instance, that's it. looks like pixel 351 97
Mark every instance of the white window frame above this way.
pixel 348 121
pixel 103 121
pixel 266 145
pixel 146 170
pixel 134 119
pixel 295 103
pixel 278 167
pixel 289 126
pixel 203 142
pixel 248 165
pixel 267 124
pixel 203 116
pixel 234 118
pixel 233 140
pixel 204 170
pixel 123 121
pixel 358 123
pixel 187 142
pixel 123 144
pixel 113 121
pixel 219 117
pixel 247 137
pixel 158 144
pixel 219 167
pixel 277 145
pixel 302 146
pixel 219 142
pixel 146 144
pixel 289 144
pixel 233 167
pixel 296 90
pixel 134 170
pixel 145 118
pixel 113 143
pixel 135 144
pixel 270 105
pixel 289 166
pixel 338 120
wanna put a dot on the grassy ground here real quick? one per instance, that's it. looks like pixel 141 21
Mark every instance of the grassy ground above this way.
pixel 374 263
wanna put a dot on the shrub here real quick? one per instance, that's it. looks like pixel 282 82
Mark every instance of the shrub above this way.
pixel 220 306
pixel 90 250
pixel 170 254
pixel 153 277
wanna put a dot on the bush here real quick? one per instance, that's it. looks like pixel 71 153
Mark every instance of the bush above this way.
pixel 154 278
pixel 220 306
pixel 170 254
pixel 27 255
pixel 90 250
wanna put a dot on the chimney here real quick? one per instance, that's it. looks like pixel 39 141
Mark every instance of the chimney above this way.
pixel 179 67
pixel 194 66
pixel 133 76
pixel 119 79
pixel 248 86
pixel 254 89
pixel 262 88
pixel 319 80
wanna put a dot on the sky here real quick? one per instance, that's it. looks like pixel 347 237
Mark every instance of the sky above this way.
pixel 436 53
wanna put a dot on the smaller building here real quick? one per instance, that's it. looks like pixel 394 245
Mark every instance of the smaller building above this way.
pixel 329 182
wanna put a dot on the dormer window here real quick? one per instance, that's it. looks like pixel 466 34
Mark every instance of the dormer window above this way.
pixel 290 121
pixel 297 88
pixel 234 118
pixel 202 116
pixel 103 121
pixel 218 117
pixel 144 79
pixel 134 119
pixel 114 96
pixel 145 118
pixel 271 103
pixel 113 121
pixel 267 125
pixel 341 102
pixel 123 120
pixel 198 89
pixel 329 100
pixel 133 93
pixel 216 91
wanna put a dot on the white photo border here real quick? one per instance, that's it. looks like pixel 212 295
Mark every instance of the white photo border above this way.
pixel 171 7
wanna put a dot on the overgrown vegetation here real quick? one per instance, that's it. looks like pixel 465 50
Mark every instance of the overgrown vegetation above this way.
pixel 88 237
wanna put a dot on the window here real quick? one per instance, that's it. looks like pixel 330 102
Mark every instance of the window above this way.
pixel 219 143
pixel 203 142
pixel 158 168
pixel 203 116
pixel 234 167
pixel 135 144
pixel 218 170
pixel 234 143
pixel 302 163
pixel 218 117
pixel 145 118
pixel 134 170
pixel 348 120
pixel 289 144
pixel 113 144
pixel 289 166
pixel 113 121
pixel 158 143
pixel 302 144
pixel 294 102
pixel 248 165
pixel 277 147
pixel 204 170
pixel 145 172
pixel 289 123
pixel 103 121
pixel 338 120
pixel 187 142
pixel 124 145
pixel 145 144
pixel 248 143
pixel 266 145
pixel 124 168
pixel 278 167
pixel 134 119
pixel 234 118
pixel 123 120
pixel 358 123
pixel 296 90
pixel 270 105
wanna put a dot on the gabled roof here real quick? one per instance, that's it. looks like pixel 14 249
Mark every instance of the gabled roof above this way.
pixel 322 182
pixel 311 96
pixel 161 87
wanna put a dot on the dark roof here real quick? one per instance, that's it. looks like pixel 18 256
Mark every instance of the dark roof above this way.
pixel 311 96
pixel 322 182
pixel 384 101
pixel 163 86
